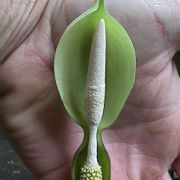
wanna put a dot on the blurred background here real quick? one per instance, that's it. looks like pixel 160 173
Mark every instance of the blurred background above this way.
pixel 11 167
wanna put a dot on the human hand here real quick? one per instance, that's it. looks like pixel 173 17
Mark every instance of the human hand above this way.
pixel 145 139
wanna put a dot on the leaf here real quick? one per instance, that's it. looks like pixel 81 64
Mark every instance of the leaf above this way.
pixel 71 65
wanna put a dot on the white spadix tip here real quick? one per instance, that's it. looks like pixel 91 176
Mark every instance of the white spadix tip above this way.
pixel 96 75
pixel 97 62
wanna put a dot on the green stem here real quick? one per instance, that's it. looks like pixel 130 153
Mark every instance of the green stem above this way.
pixel 99 3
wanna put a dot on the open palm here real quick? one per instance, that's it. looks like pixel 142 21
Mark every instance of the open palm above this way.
pixel 144 141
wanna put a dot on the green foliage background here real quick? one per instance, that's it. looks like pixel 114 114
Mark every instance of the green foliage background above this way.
pixel 173 174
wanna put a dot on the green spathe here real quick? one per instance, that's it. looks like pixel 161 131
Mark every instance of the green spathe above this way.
pixel 71 65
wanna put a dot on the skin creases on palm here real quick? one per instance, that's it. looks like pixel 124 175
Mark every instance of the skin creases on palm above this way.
pixel 142 143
